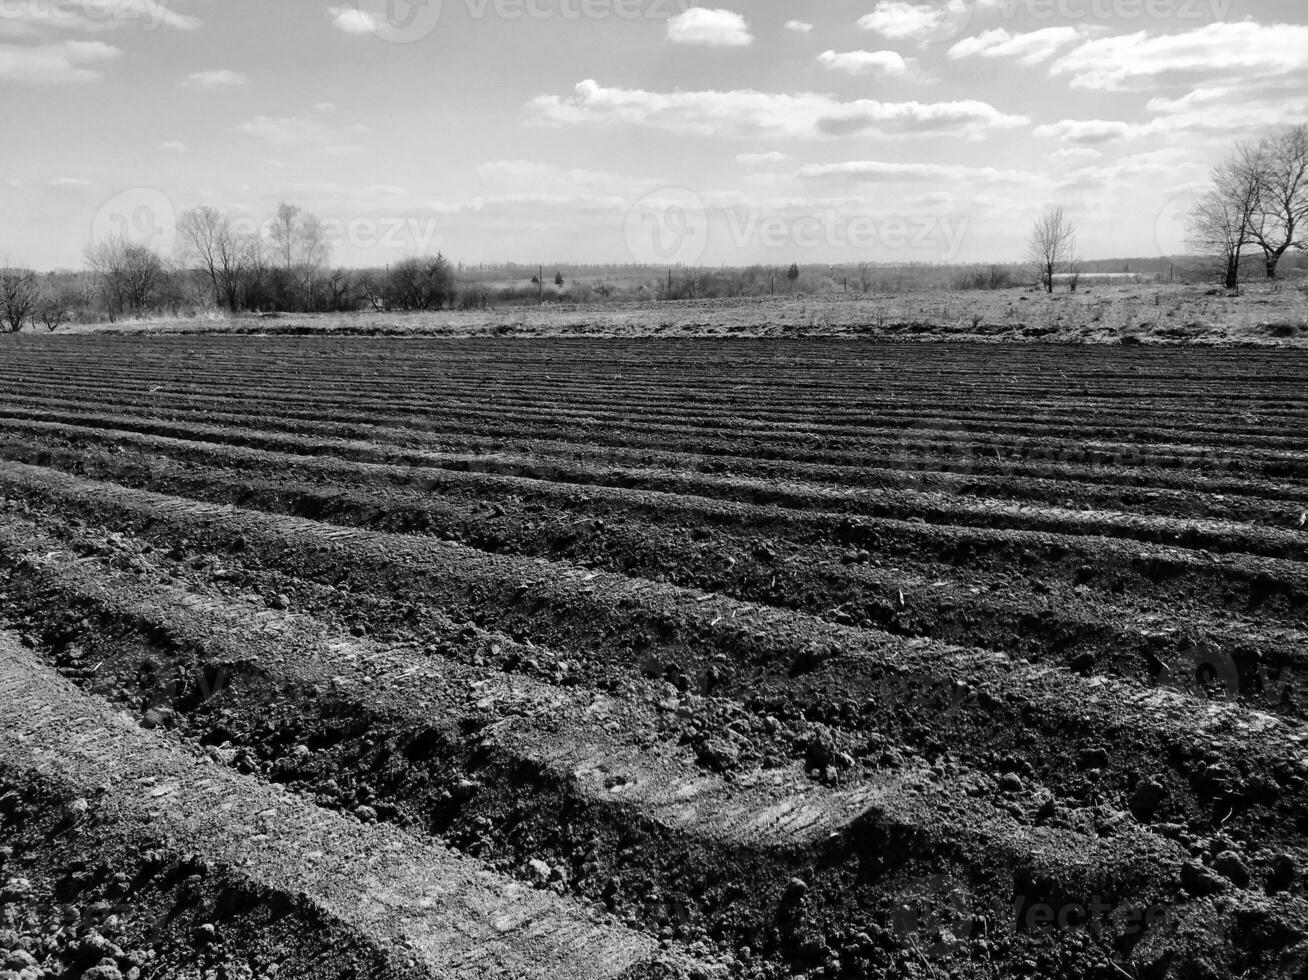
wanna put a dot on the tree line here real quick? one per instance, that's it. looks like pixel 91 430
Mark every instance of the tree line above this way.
pixel 220 262
pixel 288 268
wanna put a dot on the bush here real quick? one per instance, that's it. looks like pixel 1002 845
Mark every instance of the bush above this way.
pixel 992 277
pixel 421 283
pixel 19 296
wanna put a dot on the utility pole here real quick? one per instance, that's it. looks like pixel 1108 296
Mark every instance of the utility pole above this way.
pixel 540 286
pixel 669 292
pixel 774 282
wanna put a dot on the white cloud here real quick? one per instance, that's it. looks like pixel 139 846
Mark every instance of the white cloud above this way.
pixel 563 206
pixel 1135 61
pixel 1092 132
pixel 761 159
pixel 215 80
pixel 717 28
pixel 69 182
pixel 325 107
pixel 147 13
pixel 882 172
pixel 65 61
pixel 41 19
pixel 749 114
pixel 903 21
pixel 1075 153
pixel 888 63
pixel 352 20
pixel 799 26
pixel 1172 164
pixel 1031 48
pixel 173 146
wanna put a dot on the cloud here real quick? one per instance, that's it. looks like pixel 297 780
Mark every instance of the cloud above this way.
pixel 717 28
pixel 1216 113
pixel 799 26
pixel 215 80
pixel 149 13
pixel 500 177
pixel 352 20
pixel 513 206
pixel 749 114
pixel 43 19
pixel 173 146
pixel 64 61
pixel 876 171
pixel 297 131
pixel 1031 48
pixel 1075 153
pixel 903 21
pixel 1092 132
pixel 887 63
pixel 1137 61
pixel 761 159
pixel 64 182
pixel 1151 169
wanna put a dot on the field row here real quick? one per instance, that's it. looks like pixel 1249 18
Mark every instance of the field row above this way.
pixel 671 660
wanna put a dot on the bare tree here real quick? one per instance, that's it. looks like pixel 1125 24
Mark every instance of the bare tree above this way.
pixel 1278 164
pixel 206 237
pixel 299 241
pixel 865 278
pixel 340 290
pixel 374 290
pixel 1051 245
pixel 1073 269
pixel 19 295
pixel 314 255
pixel 56 304
pixel 128 274
pixel 1220 223
pixel 283 235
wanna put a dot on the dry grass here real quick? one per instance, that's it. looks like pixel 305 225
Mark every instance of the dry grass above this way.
pixel 1136 313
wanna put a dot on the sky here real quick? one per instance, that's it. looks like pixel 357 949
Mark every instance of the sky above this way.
pixel 646 131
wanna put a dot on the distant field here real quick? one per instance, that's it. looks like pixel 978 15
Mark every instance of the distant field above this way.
pixel 1098 313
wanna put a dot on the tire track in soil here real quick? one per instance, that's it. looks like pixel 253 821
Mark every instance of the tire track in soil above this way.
pixel 409 899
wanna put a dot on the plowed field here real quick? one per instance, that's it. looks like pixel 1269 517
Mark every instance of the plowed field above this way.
pixel 351 657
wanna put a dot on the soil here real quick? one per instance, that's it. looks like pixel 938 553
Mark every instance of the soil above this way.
pixel 649 659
